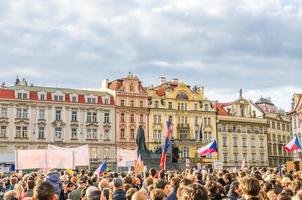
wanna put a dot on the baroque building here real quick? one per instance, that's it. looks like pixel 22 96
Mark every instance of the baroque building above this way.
pixel 32 117
pixel 188 110
pixel 242 133
pixel 296 118
pixel 279 132
pixel 131 109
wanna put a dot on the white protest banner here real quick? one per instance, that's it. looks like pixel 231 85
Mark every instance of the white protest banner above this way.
pixel 59 159
pixel 125 157
pixel 81 154
pixel 30 159
pixel 217 165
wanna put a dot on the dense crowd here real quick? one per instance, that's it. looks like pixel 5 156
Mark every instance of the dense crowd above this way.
pixel 190 184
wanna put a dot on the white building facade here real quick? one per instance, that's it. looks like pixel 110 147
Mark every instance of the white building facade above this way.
pixel 33 117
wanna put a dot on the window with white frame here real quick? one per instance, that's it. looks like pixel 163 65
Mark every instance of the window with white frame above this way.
pixel 22 95
pixel 41 132
pixel 21 131
pixel 122 102
pixel 132 103
pixel 58 98
pixel 132 118
pixel 106 100
pixel 41 114
pixel 156 104
pixel 91 100
pixel 74 116
pixel 122 133
pixel 74 98
pixel 42 97
pixel 91 133
pixel 106 118
pixel 122 117
pixel 224 141
pixel 91 117
pixel 22 113
pixel 73 133
pixel 93 152
pixel 3 131
pixel 58 115
pixel 58 133
pixel 141 118
pixel 141 104
pixel 4 112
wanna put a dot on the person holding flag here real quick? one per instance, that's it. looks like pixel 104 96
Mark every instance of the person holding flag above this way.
pixel 101 169
pixel 166 145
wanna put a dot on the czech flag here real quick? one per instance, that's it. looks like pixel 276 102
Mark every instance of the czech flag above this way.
pixel 209 148
pixel 101 169
pixel 293 145
pixel 166 145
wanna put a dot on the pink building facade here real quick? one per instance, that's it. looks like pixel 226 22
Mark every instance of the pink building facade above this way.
pixel 131 110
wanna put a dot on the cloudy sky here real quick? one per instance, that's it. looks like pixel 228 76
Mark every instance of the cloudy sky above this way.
pixel 224 45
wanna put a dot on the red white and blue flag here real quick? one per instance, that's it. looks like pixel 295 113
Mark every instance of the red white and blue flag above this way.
pixel 293 145
pixel 208 149
pixel 166 145
pixel 101 169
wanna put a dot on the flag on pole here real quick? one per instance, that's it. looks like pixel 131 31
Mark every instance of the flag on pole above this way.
pixel 208 149
pixel 101 169
pixel 293 145
pixel 200 133
pixel 166 145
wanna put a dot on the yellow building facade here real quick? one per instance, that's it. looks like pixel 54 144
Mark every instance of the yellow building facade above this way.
pixel 188 110
pixel 242 134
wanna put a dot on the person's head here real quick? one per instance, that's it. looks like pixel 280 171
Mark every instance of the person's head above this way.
pixel 149 181
pixel 90 189
pixel 185 182
pixel 249 186
pixel 44 191
pixel 157 194
pixel 296 186
pixel 284 196
pixel 234 187
pixel 117 183
pixel 152 172
pixel 103 184
pixel 30 184
pixel 162 174
pixel 94 195
pixel 11 195
pixel 82 182
pixel 194 192
pixel 160 184
pixel 139 196
pixel 130 193
pixel 212 188
pixel 175 182
pixel 13 180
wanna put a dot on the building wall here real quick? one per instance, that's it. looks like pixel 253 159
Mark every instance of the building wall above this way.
pixel 196 112
pixel 101 146
pixel 279 134
pixel 135 102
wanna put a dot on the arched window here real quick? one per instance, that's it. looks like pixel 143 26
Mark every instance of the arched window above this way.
pixel 182 96
pixel 206 107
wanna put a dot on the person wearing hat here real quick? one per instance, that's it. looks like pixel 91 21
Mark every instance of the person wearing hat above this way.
pixel 76 194
pixel 118 193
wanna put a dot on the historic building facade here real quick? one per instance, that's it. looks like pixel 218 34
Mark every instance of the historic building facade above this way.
pixel 189 111
pixel 242 133
pixel 32 117
pixel 131 109
pixel 296 118
pixel 279 132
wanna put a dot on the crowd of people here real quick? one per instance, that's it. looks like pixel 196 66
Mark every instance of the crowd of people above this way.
pixel 190 184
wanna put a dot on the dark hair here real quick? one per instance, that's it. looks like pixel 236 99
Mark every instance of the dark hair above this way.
pixel 175 182
pixel 94 195
pixel 31 183
pixel 152 172
pixel 162 174
pixel 194 192
pixel 44 191
pixel 160 184
pixel 211 186
pixel 284 196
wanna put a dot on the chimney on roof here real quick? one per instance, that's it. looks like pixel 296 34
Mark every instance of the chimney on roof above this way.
pixel 162 80
pixel 105 83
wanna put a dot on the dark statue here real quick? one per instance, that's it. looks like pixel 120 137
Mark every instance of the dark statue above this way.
pixel 140 142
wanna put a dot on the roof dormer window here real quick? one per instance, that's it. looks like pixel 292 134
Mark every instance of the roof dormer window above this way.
pixel 74 98
pixel 91 100
pixel 58 98
pixel 22 95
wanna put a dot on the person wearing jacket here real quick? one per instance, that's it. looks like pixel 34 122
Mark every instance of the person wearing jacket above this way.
pixel 53 177
pixel 234 192
pixel 118 193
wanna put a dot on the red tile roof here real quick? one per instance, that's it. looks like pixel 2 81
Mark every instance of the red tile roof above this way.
pixel 220 109
pixel 49 96
pixel 7 94
pixel 67 98
pixel 81 99
pixel 100 100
